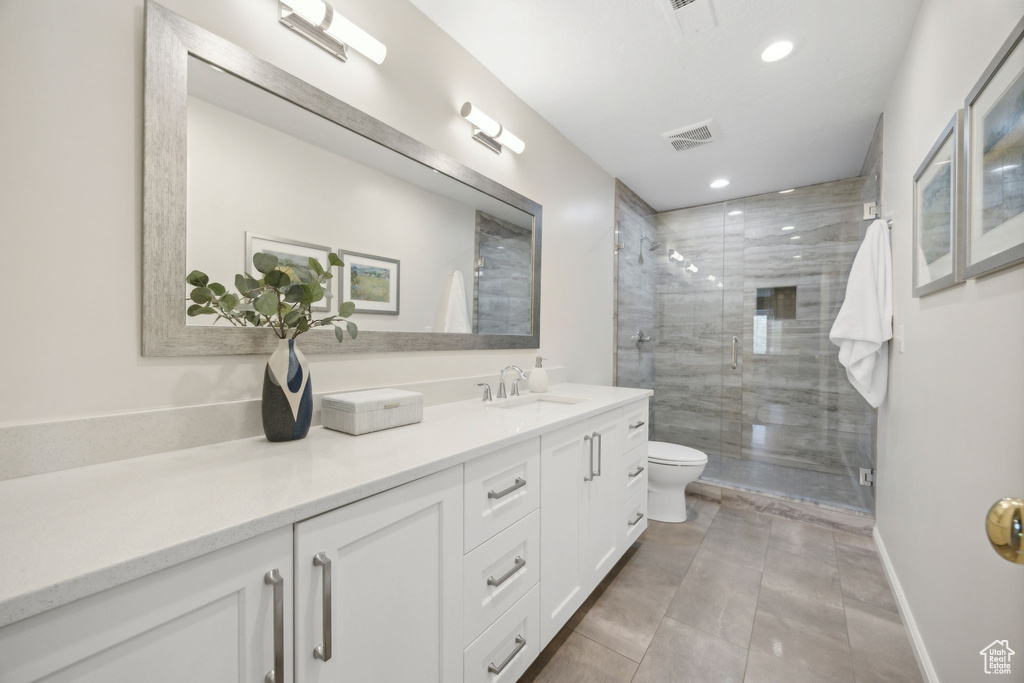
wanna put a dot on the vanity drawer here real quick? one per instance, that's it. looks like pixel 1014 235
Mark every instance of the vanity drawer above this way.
pixel 633 473
pixel 498 573
pixel 635 417
pixel 508 647
pixel 632 519
pixel 501 489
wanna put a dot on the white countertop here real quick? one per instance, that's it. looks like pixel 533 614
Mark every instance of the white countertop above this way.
pixel 66 535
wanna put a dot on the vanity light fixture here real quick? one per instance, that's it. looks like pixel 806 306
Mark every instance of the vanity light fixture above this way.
pixel 489 132
pixel 692 268
pixel 675 255
pixel 719 183
pixel 317 22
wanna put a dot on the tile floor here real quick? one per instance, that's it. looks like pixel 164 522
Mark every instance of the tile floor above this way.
pixel 736 596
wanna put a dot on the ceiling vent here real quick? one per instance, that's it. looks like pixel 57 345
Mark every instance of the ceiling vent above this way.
pixel 690 16
pixel 692 136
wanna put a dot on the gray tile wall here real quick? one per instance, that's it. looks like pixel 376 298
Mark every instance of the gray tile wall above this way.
pixel 501 293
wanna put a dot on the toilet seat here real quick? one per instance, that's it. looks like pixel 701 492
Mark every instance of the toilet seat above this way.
pixel 662 453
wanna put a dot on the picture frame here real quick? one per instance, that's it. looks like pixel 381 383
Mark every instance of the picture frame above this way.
pixel 372 283
pixel 289 251
pixel 993 216
pixel 937 199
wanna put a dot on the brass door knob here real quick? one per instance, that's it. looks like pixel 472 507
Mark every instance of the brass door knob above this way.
pixel 1005 528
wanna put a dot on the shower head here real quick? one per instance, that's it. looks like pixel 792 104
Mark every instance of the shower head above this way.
pixel 654 245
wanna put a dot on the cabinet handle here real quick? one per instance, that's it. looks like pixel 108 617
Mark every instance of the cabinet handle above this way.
pixel 274 578
pixel 519 564
pixel 520 644
pixel 639 516
pixel 590 439
pixel 519 483
pixel 637 473
pixel 638 425
pixel 323 650
pixel 735 341
pixel 600 451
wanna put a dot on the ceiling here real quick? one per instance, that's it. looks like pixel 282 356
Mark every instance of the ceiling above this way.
pixel 612 76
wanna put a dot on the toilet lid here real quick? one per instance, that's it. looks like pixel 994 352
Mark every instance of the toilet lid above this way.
pixel 674 454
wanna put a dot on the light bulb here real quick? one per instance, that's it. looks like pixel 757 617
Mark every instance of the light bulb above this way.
pixel 343 30
pixel 481 120
pixel 506 138
pixel 313 11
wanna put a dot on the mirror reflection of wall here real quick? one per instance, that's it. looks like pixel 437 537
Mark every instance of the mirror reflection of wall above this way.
pixel 263 172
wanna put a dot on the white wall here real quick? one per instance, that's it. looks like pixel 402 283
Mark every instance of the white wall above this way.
pixel 71 198
pixel 951 434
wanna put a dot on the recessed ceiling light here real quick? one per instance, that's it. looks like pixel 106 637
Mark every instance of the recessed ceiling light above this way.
pixel 776 51
pixel 787 191
pixel 794 237
pixel 719 184
pixel 798 256
pixel 735 213
pixel 789 227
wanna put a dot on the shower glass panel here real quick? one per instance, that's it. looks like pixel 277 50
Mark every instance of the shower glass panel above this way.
pixel 744 369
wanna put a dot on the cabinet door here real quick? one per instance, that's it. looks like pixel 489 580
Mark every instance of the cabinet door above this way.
pixel 208 620
pixel 564 574
pixel 603 496
pixel 394 567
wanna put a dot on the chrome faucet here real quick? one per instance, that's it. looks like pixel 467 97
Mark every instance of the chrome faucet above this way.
pixel 515 385
pixel 487 391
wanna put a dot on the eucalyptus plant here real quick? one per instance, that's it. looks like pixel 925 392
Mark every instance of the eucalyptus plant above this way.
pixel 282 299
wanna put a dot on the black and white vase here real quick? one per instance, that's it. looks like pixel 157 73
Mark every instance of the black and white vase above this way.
pixel 287 394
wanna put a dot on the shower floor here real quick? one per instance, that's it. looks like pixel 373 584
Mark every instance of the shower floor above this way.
pixel 837 490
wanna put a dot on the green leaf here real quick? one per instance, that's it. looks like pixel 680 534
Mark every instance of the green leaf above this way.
pixel 339 334
pixel 201 295
pixel 267 304
pixel 264 262
pixel 292 317
pixel 197 278
pixel 252 318
pixel 294 294
pixel 217 288
pixel 302 325
pixel 196 309
pixel 304 274
pixel 327 320
pixel 346 309
pixel 328 276
pixel 317 291
pixel 278 278
pixel 228 302
pixel 307 296
pixel 335 260
pixel 315 266
pixel 353 331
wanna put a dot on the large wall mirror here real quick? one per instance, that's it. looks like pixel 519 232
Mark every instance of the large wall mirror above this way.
pixel 242 157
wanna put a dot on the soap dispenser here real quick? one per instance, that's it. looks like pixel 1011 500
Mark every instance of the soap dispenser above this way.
pixel 539 377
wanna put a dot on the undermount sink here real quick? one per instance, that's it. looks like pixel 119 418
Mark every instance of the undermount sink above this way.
pixel 537 403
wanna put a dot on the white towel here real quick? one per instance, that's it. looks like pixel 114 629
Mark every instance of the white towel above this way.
pixel 864 324
pixel 457 317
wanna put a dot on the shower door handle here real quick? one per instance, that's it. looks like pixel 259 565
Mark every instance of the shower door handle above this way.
pixel 735 346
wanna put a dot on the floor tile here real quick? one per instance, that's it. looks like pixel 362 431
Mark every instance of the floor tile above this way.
pixel 669 547
pixel 879 645
pixel 738 540
pixel 862 577
pixel 803 539
pixel 854 540
pixel 683 654
pixel 803 632
pixel 765 667
pixel 700 512
pixel 718 597
pixel 572 658
pixel 627 614
pixel 743 519
pixel 791 573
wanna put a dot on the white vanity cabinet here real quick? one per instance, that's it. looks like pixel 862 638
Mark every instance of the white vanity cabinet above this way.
pixel 221 617
pixel 378 587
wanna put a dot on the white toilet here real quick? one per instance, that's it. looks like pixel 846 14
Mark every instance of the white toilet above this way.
pixel 671 468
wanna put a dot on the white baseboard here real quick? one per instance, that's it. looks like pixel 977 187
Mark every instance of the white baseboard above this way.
pixel 924 662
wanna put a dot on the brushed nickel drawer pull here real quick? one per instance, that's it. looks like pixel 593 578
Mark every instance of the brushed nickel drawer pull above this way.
pixel 520 644
pixel 589 439
pixel 637 473
pixel 600 452
pixel 518 484
pixel 638 425
pixel 323 650
pixel 519 564
pixel 274 578
pixel 639 516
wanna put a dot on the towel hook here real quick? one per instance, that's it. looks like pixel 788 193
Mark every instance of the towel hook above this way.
pixel 872 211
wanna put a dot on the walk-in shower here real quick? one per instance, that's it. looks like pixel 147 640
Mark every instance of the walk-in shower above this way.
pixel 739 304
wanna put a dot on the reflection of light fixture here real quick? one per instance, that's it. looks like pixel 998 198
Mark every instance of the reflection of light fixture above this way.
pixel 735 213
pixel 720 284
pixel 789 227
pixel 786 191
pixel 777 51
pixel 675 255
pixel 795 237
pixel 719 184
pixel 711 278
pixel 798 256
pixel 317 21
pixel 692 268
pixel 489 132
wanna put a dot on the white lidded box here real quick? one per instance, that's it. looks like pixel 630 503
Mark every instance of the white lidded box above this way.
pixel 361 412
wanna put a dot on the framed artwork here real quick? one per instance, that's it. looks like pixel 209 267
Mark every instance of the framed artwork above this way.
pixel 994 156
pixel 372 283
pixel 936 209
pixel 290 253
